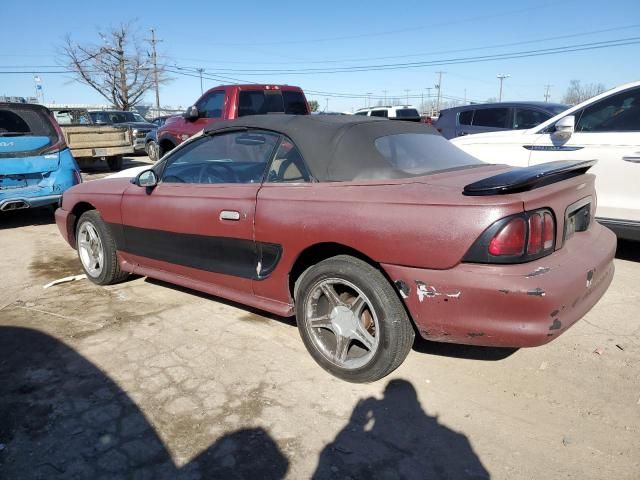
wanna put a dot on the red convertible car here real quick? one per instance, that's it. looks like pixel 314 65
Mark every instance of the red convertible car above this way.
pixel 366 230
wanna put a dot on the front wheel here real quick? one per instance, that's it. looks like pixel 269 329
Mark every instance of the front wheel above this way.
pixel 351 320
pixel 97 250
pixel 152 151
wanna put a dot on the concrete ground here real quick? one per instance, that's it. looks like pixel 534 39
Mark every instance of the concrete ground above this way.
pixel 144 380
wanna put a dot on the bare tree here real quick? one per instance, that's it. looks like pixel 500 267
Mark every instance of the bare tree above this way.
pixel 118 69
pixel 577 93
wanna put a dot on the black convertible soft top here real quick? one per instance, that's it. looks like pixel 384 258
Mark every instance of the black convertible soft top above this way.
pixel 341 147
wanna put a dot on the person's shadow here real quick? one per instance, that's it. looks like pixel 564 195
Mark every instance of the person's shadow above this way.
pixel 61 417
pixel 393 438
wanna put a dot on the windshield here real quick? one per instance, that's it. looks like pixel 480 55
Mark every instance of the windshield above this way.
pixel 422 153
pixel 407 113
pixel 116 117
pixel 72 117
pixel 24 129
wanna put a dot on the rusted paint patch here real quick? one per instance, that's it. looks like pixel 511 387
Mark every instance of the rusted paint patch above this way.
pixel 504 290
pixel 556 325
pixel 475 334
pixel 538 271
pixel 403 288
pixel 538 292
pixel 429 291
pixel 555 313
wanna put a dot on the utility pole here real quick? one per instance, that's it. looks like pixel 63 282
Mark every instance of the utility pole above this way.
pixel 430 101
pixel 326 105
pixel 406 90
pixel 368 99
pixel 501 77
pixel 200 71
pixel 547 95
pixel 154 60
pixel 385 96
pixel 439 87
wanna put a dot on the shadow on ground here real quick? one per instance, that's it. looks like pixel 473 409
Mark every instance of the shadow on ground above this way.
pixel 628 250
pixel 61 417
pixel 27 217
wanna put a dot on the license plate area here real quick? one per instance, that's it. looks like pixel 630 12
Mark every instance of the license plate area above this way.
pixel 578 217
pixel 100 152
pixel 9 182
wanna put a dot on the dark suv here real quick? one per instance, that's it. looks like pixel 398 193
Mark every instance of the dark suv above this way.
pixel 491 117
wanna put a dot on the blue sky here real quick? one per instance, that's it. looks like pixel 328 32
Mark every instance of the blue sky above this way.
pixel 228 37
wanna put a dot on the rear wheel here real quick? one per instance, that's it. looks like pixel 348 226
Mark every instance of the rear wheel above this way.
pixel 351 319
pixel 114 163
pixel 97 250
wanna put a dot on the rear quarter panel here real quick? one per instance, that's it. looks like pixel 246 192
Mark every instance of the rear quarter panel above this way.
pixel 411 224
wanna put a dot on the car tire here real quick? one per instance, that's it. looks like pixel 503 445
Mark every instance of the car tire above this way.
pixel 351 319
pixel 97 250
pixel 114 163
pixel 152 151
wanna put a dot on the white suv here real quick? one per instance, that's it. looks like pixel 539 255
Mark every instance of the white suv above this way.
pixel 605 128
pixel 403 112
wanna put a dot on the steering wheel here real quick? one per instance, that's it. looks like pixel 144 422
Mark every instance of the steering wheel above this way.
pixel 213 177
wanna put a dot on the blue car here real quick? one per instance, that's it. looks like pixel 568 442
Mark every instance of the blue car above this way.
pixel 36 166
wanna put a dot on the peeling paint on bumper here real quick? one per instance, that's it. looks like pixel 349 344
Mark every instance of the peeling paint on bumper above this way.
pixel 504 305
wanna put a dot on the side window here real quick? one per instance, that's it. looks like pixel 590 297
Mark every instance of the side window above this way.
pixel 211 105
pixel 379 113
pixel 361 113
pixel 527 118
pixel 491 117
pixel 288 165
pixel 234 157
pixel 617 113
pixel 465 117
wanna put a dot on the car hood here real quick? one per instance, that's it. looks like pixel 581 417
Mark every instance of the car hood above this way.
pixel 508 136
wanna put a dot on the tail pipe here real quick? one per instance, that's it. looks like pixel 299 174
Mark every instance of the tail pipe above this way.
pixel 13 205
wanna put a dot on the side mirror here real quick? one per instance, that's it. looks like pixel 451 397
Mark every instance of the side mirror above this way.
pixel 566 126
pixel 146 178
pixel 191 113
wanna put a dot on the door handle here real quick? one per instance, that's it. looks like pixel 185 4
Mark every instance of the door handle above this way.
pixel 229 215
pixel 632 158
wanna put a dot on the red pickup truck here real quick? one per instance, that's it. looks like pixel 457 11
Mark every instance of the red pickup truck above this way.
pixel 227 102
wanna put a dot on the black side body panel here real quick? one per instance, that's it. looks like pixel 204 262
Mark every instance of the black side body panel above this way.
pixel 528 178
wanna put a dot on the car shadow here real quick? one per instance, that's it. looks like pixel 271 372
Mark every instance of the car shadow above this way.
pixel 61 417
pixel 628 250
pixel 393 438
pixel 468 352
pixel 26 217
pixel 128 162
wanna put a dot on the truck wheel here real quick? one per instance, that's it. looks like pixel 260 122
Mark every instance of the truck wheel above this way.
pixel 152 151
pixel 97 250
pixel 114 163
pixel 351 319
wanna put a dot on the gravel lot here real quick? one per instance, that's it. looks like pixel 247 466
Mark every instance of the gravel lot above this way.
pixel 146 380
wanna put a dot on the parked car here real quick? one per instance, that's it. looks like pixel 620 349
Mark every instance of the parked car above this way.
pixel 492 117
pixel 151 139
pixel 296 215
pixel 227 102
pixel 137 123
pixel 36 166
pixel 404 112
pixel 91 143
pixel 606 128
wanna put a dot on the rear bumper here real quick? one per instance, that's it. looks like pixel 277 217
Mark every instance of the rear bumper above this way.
pixel 521 305
pixel 18 202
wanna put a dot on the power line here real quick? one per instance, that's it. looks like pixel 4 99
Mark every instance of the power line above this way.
pixel 422 54
pixel 450 61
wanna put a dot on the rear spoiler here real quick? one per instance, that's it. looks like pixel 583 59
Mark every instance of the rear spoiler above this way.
pixel 528 178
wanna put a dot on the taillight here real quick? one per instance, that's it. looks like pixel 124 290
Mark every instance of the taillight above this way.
pixel 77 177
pixel 60 143
pixel 516 239
pixel 510 239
